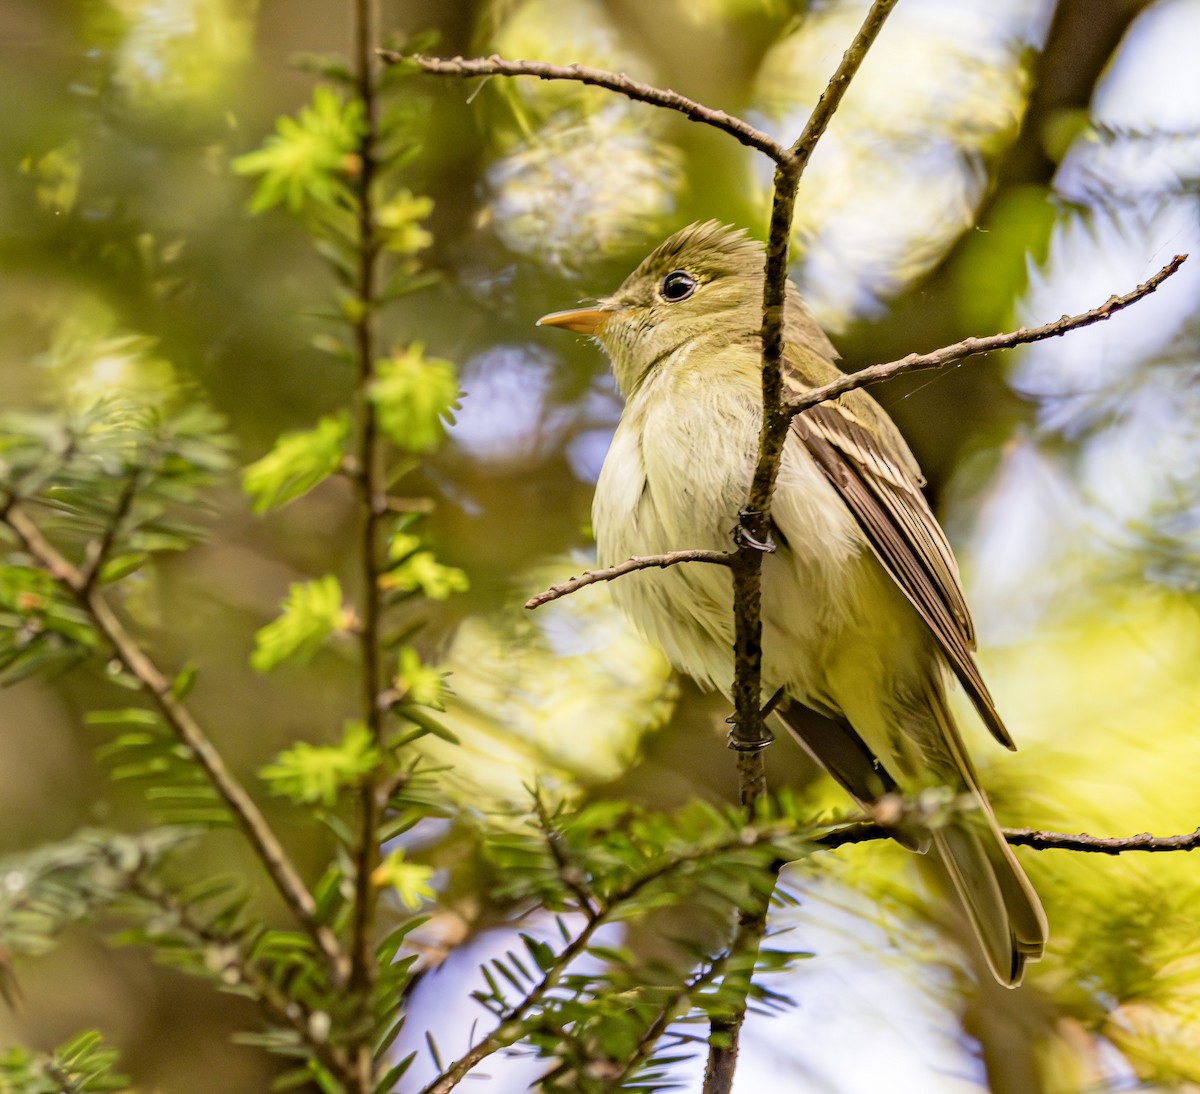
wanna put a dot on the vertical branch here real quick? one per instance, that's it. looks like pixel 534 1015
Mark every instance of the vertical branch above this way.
pixel 372 497
pixel 750 734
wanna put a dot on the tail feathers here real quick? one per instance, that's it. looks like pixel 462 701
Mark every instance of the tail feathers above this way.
pixel 834 744
pixel 1000 902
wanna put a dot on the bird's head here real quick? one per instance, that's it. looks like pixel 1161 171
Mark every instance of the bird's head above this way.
pixel 702 286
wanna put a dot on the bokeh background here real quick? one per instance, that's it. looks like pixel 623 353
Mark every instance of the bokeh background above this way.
pixel 997 162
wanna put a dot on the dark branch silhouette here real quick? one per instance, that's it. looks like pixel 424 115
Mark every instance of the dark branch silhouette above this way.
pixel 468 68
pixel 1036 838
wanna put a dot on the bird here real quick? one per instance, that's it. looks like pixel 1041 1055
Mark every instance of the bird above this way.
pixel 864 618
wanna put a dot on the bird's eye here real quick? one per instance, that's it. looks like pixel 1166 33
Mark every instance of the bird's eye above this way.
pixel 677 285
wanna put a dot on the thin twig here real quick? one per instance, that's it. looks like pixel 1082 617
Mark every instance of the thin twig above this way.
pixel 179 719
pixel 236 963
pixel 638 562
pixel 569 872
pixel 102 548
pixel 509 1030
pixel 742 131
pixel 968 347
pixel 750 734
pixel 1038 839
pixel 1101 845
pixel 674 1006
pixel 371 485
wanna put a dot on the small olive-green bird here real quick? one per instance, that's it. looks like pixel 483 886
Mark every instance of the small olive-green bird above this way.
pixel 863 609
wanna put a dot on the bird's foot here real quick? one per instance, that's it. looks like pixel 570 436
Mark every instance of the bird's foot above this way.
pixel 744 534
pixel 737 741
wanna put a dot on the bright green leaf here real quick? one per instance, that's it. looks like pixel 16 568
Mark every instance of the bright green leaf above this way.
pixel 402 544
pixel 397 223
pixel 297 463
pixel 408 879
pixel 309 157
pixel 419 683
pixel 315 774
pixel 413 396
pixel 312 612
pixel 421 572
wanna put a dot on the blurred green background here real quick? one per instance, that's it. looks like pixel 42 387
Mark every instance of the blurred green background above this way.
pixel 997 162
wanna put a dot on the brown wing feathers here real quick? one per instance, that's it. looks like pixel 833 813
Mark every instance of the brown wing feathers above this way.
pixel 882 489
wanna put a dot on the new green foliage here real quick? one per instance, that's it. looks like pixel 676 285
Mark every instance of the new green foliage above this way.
pixel 312 613
pixel 309 159
pixel 414 396
pixel 298 462
pixel 318 774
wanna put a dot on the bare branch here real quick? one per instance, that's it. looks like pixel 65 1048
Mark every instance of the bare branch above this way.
pixel 370 485
pixel 638 562
pixel 1038 839
pixel 750 734
pixel 741 131
pixel 179 719
pixel 968 347
pixel 839 83
pixel 1102 845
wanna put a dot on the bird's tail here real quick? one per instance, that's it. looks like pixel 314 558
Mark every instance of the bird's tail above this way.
pixel 1001 903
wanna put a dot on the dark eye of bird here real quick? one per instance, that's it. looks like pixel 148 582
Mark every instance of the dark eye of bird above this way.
pixel 677 285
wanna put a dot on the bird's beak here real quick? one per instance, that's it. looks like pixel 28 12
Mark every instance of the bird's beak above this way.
pixel 582 320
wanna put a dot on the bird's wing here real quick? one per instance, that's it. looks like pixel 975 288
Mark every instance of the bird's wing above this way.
pixel 864 457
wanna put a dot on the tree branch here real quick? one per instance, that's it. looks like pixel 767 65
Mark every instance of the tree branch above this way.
pixel 99 550
pixel 968 347
pixel 569 872
pixel 674 1006
pixel 179 719
pixel 1101 845
pixel 467 68
pixel 370 482
pixel 750 735
pixel 274 1002
pixel 638 562
pixel 1038 839
pixel 510 1029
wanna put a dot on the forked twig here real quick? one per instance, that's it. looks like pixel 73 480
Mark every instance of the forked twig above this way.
pixel 470 67
pixel 638 562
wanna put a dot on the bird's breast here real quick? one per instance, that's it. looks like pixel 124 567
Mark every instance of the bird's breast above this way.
pixel 675 477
